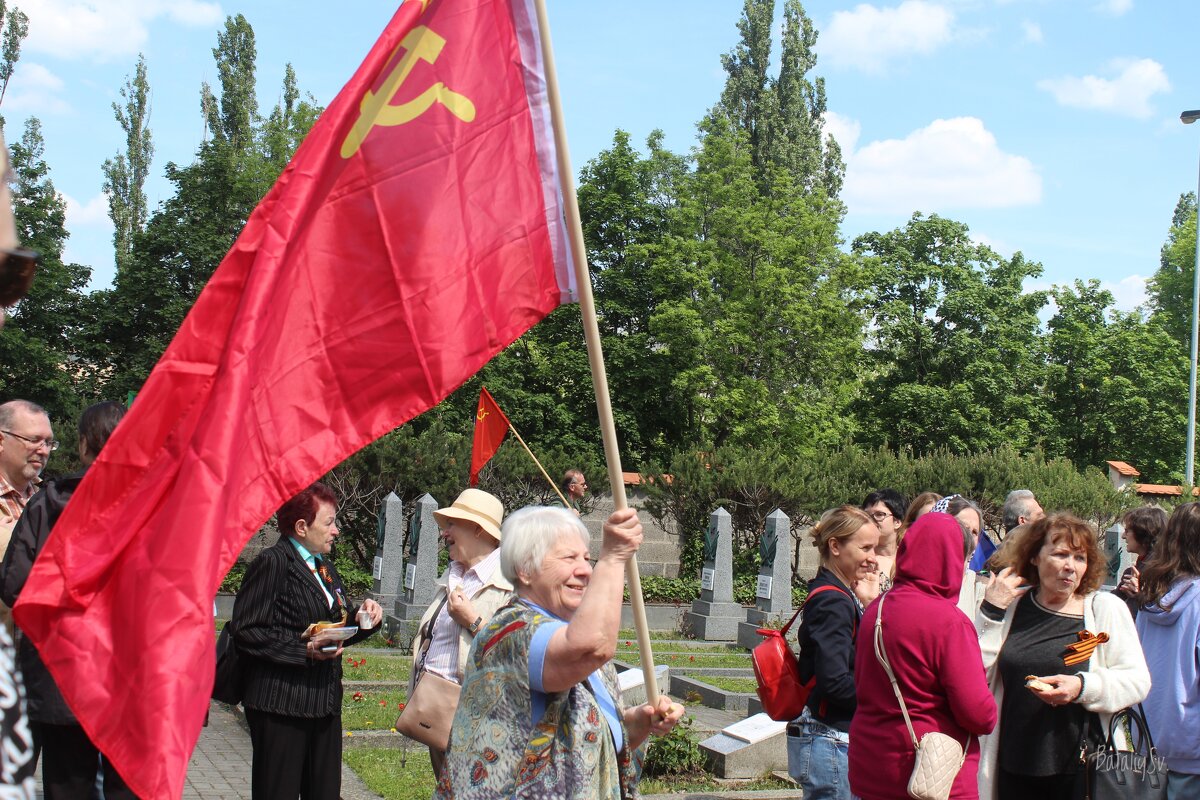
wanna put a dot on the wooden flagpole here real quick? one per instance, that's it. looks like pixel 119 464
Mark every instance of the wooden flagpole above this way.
pixel 591 333
pixel 553 485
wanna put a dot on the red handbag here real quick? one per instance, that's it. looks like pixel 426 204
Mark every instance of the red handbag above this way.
pixel 777 671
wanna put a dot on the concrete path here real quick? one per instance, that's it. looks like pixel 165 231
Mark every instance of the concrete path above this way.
pixel 219 769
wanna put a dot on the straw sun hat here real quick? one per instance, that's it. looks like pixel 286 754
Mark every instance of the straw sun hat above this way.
pixel 477 506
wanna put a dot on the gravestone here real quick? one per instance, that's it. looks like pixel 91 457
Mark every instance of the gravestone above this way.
pixel 419 582
pixel 1117 556
pixel 747 749
pixel 715 616
pixel 387 571
pixel 773 595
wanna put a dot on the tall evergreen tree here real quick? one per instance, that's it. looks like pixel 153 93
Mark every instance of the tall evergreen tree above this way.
pixel 125 175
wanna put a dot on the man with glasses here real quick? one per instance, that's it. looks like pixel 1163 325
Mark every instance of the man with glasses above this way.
pixel 26 441
pixel 574 486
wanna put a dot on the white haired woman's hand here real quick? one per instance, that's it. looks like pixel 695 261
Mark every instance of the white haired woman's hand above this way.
pixel 622 535
pixel 659 719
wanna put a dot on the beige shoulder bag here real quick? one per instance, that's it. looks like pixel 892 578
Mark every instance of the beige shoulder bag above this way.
pixel 939 757
pixel 430 709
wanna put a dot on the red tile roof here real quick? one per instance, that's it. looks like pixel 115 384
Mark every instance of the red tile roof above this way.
pixel 1162 489
pixel 1124 469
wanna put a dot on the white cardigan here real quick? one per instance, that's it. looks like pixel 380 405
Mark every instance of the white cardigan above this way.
pixel 1117 676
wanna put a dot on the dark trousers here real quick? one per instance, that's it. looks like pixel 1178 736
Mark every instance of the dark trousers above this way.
pixel 69 765
pixel 295 757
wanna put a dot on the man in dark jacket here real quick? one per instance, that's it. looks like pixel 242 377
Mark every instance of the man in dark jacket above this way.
pixel 69 757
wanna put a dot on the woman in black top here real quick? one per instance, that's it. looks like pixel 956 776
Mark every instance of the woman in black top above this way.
pixel 818 740
pixel 293 697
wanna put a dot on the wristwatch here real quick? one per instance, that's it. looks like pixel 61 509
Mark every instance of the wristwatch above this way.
pixel 474 626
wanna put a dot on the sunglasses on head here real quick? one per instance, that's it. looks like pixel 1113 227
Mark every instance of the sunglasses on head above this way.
pixel 16 274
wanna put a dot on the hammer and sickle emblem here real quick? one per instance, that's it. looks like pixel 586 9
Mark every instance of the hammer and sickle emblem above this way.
pixel 420 44
pixel 481 416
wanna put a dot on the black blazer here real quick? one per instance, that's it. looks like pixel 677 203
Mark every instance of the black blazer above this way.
pixel 279 598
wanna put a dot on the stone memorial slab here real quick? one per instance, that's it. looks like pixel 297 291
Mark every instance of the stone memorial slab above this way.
pixel 420 570
pixel 1118 557
pixel 773 600
pixel 715 616
pixel 388 566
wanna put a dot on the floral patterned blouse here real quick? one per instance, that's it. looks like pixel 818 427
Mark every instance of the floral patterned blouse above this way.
pixel 510 740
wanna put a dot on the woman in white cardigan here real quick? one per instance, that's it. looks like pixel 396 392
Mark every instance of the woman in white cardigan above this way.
pixel 1043 617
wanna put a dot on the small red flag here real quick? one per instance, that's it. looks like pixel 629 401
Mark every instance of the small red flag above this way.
pixel 417 232
pixel 490 427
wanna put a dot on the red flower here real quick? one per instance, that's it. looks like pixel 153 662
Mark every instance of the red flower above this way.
pixel 629 644
pixel 691 658
pixel 383 702
pixel 358 697
pixel 400 706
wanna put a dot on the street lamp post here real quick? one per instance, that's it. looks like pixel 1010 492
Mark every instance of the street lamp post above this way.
pixel 1188 117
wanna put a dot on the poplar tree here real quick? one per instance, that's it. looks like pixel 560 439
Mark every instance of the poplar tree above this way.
pixel 16 28
pixel 125 174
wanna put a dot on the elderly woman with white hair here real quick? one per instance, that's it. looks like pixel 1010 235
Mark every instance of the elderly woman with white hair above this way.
pixel 540 713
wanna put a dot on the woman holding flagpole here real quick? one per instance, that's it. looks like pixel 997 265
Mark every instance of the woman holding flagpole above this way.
pixel 293 696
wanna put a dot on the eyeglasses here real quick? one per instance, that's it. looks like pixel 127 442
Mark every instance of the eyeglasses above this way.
pixel 16 274
pixel 879 516
pixel 52 444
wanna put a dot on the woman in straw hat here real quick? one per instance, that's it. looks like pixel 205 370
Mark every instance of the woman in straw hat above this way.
pixel 470 592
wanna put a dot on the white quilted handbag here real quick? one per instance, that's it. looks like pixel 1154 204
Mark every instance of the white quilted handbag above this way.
pixel 939 757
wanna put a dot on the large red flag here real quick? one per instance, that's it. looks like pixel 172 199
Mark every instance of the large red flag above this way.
pixel 416 233
pixel 490 427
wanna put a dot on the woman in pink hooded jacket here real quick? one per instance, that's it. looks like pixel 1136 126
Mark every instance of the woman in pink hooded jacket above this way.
pixel 934 651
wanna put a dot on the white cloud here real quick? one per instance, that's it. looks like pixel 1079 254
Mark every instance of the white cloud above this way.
pixel 1127 94
pixel 1114 8
pixel 1128 293
pixel 35 88
pixel 843 129
pixel 106 29
pixel 92 213
pixel 1033 32
pixel 868 37
pixel 950 164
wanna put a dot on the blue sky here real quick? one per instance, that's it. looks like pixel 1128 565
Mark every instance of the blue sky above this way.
pixel 1048 126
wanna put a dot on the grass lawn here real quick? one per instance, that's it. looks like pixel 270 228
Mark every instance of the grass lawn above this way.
pixel 371 710
pixel 366 666
pixel 684 660
pixel 730 684
pixel 381 770
pixel 389 773
pixel 704 783
pixel 624 643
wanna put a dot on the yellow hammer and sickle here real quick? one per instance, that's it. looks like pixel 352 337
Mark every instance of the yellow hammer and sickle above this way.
pixel 481 415
pixel 420 44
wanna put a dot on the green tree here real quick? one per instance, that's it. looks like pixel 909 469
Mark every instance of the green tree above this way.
pixel 1170 288
pixel 795 138
pixel 185 240
pixel 16 28
pixel 955 346
pixel 1117 385
pixel 747 99
pixel 125 174
pixel 40 344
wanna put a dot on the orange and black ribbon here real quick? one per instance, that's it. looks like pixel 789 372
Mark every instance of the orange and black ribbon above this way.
pixel 1080 651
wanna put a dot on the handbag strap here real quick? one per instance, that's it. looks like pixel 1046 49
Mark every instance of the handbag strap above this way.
pixel 881 655
pixel 426 635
